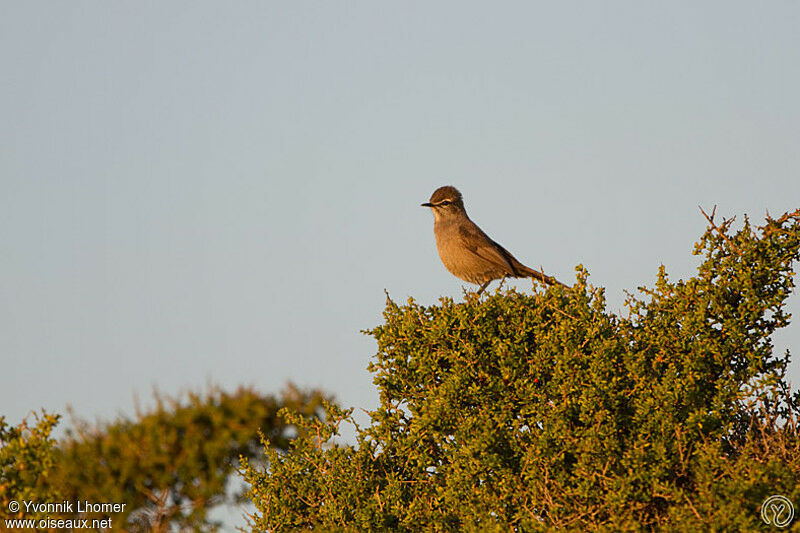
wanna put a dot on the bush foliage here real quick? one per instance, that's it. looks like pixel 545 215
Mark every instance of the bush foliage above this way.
pixel 169 465
pixel 531 412
pixel 172 464
pixel 26 458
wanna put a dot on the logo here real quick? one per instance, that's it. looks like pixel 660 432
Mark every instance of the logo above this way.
pixel 777 511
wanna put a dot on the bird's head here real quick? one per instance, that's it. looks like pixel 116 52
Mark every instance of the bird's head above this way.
pixel 445 202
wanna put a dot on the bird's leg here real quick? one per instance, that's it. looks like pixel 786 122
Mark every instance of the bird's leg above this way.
pixel 483 287
pixel 502 281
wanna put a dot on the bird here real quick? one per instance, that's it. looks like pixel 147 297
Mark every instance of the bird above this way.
pixel 466 251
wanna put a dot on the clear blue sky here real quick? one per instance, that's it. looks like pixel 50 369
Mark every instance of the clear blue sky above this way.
pixel 196 192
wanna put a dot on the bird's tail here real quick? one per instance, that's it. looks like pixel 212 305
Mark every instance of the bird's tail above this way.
pixel 541 276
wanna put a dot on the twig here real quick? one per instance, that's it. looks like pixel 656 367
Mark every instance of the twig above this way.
pixel 693 508
pixel 559 310
pixel 724 223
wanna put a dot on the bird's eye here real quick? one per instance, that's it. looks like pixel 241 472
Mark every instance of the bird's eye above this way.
pixel 445 202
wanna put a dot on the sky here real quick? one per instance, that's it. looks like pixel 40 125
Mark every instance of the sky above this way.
pixel 208 192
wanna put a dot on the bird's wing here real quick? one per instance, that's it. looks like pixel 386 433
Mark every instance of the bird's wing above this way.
pixel 477 242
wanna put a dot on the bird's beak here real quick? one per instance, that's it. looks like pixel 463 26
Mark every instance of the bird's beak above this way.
pixel 426 204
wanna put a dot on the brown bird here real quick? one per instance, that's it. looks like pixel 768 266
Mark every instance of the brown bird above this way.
pixel 466 251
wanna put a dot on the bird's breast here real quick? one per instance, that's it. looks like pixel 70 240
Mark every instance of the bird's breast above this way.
pixel 459 259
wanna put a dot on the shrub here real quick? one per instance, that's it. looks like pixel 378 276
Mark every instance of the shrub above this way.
pixel 26 457
pixel 171 465
pixel 531 412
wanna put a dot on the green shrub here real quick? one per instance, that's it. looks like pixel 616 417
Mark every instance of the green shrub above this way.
pixel 171 465
pixel 531 412
pixel 27 455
